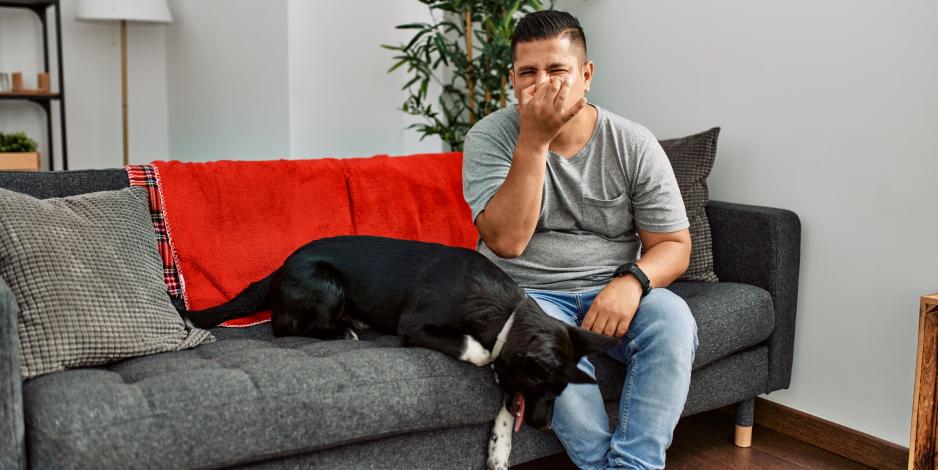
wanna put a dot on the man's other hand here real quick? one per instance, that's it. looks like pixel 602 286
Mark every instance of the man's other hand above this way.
pixel 614 307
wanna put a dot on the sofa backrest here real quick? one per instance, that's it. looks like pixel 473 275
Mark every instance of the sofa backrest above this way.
pixel 417 197
pixel 48 184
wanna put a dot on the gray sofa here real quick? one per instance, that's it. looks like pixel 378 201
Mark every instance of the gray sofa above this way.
pixel 252 400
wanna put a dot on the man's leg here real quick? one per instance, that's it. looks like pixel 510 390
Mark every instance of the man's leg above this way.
pixel 580 420
pixel 659 350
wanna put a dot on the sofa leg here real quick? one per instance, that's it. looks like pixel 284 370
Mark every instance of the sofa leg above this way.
pixel 744 416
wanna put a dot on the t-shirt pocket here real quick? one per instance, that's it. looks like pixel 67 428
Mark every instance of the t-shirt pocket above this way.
pixel 608 217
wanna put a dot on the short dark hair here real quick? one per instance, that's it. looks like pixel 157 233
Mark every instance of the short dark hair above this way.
pixel 547 24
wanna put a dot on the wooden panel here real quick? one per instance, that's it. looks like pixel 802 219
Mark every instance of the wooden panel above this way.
pixel 832 437
pixel 705 441
pixel 19 161
pixel 922 439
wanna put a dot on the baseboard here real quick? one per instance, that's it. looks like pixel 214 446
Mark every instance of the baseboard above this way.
pixel 832 437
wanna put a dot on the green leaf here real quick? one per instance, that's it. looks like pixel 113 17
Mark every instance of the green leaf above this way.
pixel 410 82
pixel 415 39
pixel 413 26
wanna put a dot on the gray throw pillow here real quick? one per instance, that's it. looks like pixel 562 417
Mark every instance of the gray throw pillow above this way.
pixel 692 159
pixel 88 280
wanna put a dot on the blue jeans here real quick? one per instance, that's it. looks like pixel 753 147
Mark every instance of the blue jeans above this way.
pixel 658 350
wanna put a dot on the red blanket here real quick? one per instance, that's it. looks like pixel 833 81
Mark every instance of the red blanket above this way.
pixel 231 223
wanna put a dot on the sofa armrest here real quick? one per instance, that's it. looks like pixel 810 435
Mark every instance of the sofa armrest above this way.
pixel 762 246
pixel 12 437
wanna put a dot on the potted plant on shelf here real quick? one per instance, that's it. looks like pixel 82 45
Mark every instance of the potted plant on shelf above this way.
pixel 18 152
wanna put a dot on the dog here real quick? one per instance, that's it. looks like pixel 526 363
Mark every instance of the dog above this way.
pixel 453 300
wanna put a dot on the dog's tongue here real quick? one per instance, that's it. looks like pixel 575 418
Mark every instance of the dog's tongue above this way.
pixel 519 411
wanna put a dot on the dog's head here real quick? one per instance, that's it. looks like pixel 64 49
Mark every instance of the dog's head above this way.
pixel 539 359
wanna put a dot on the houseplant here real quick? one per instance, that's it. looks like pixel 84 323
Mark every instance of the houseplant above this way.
pixel 18 152
pixel 466 51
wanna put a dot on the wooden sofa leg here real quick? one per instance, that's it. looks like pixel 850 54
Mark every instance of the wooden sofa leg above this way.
pixel 744 416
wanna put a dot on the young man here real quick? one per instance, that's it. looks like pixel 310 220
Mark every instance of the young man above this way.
pixel 567 197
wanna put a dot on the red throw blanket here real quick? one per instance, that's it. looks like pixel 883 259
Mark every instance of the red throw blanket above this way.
pixel 231 223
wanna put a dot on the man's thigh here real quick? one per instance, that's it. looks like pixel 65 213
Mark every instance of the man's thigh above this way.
pixel 559 305
pixel 663 318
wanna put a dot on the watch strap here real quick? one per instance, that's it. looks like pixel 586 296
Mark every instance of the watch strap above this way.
pixel 633 269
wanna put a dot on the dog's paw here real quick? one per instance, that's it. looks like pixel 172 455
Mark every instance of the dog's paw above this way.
pixel 350 335
pixel 500 442
pixel 475 353
pixel 497 465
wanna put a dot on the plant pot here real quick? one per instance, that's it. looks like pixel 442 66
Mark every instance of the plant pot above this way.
pixel 26 161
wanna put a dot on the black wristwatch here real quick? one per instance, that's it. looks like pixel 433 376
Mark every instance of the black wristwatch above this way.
pixel 633 269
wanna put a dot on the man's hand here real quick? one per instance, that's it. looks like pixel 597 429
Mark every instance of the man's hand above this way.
pixel 612 310
pixel 542 110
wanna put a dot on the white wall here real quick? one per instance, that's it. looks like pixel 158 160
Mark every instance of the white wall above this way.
pixel 20 40
pixel 227 73
pixel 829 109
pixel 342 100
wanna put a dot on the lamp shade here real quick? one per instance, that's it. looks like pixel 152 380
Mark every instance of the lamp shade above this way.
pixel 150 11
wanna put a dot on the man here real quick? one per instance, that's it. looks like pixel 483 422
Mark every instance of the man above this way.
pixel 567 197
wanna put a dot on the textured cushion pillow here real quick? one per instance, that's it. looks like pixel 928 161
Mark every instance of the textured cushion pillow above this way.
pixel 88 280
pixel 692 159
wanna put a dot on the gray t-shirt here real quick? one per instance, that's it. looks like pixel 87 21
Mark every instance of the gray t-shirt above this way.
pixel 592 203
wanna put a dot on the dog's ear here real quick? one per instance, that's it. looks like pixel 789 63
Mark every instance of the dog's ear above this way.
pixel 586 342
pixel 577 376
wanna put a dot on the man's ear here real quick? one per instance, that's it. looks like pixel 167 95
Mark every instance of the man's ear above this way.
pixel 586 342
pixel 577 376
pixel 587 75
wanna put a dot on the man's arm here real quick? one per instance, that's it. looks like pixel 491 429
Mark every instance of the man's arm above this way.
pixel 510 217
pixel 508 221
pixel 665 257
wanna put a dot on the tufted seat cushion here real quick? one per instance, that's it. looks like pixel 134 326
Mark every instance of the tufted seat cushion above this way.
pixel 730 318
pixel 248 398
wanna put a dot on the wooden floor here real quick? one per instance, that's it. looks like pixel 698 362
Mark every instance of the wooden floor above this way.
pixel 705 441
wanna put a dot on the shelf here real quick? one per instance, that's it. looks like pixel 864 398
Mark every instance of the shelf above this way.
pixel 30 96
pixel 51 20
pixel 26 3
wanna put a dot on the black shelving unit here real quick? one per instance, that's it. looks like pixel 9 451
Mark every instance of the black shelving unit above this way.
pixel 41 9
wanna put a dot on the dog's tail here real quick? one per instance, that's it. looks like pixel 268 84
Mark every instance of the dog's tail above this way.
pixel 250 300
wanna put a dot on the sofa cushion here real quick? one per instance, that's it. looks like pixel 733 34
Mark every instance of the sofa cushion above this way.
pixel 248 397
pixel 692 159
pixel 730 317
pixel 87 279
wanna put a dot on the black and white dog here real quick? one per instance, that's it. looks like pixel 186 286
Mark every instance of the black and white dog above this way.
pixel 453 300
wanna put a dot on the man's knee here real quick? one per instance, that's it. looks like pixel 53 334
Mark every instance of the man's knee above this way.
pixel 669 320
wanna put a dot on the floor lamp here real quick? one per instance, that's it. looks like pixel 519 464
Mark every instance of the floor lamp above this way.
pixel 146 11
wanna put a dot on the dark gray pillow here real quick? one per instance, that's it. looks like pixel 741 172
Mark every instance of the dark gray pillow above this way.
pixel 88 280
pixel 692 159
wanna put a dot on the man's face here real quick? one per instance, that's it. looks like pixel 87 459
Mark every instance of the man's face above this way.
pixel 537 61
